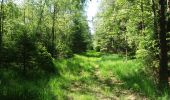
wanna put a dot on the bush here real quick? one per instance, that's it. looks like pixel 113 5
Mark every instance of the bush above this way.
pixel 142 54
pixel 44 59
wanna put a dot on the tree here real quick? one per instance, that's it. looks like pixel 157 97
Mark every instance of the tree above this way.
pixel 53 31
pixel 163 71
pixel 32 24
pixel 1 21
pixel 79 40
pixel 1 24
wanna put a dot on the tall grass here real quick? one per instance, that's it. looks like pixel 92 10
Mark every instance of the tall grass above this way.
pixel 89 76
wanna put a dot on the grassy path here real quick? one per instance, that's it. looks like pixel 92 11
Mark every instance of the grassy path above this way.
pixel 89 76
pixel 93 76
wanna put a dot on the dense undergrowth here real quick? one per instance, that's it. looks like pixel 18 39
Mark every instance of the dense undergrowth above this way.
pixel 89 76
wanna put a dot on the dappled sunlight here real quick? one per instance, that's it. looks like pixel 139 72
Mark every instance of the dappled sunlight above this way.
pixel 90 76
pixel 84 49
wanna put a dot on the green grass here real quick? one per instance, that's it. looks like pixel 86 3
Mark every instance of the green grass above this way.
pixel 89 76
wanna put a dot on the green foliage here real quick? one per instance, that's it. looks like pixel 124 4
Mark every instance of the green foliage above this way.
pixel 80 39
pixel 33 34
pixel 39 39
pixel 83 77
pixel 44 59
pixel 93 71
pixel 14 86
pixel 142 54
pixel 126 29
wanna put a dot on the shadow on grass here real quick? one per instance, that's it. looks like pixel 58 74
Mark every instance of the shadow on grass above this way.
pixel 113 57
pixel 16 85
pixel 140 82
pixel 92 54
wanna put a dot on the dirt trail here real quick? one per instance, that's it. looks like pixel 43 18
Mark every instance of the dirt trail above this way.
pixel 104 88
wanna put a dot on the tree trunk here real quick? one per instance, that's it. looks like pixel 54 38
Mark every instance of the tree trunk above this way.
pixel 163 71
pixel 23 51
pixel 154 7
pixel 142 17
pixel 53 33
pixel 41 16
pixel 1 21
pixel 1 25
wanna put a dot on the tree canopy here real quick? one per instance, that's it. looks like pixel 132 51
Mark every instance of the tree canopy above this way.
pixel 48 45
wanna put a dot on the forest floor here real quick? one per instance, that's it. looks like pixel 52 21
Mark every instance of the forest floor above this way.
pixel 88 76
pixel 97 76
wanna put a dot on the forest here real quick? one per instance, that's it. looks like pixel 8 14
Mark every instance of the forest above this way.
pixel 49 51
